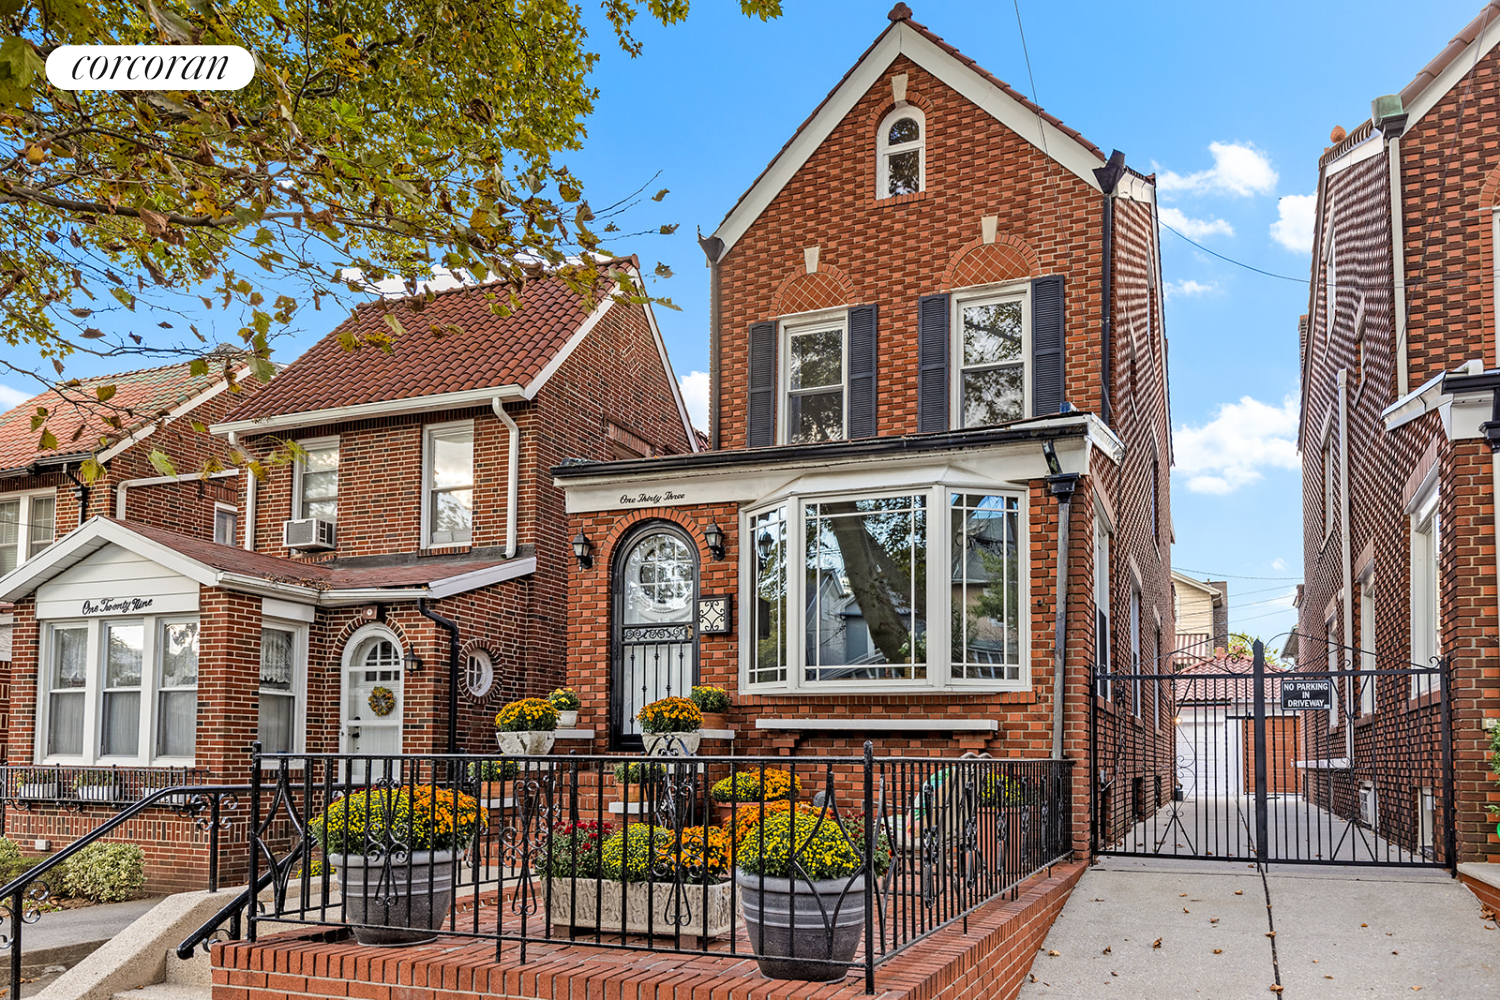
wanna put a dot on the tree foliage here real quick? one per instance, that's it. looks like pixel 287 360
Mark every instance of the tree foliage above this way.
pixel 378 138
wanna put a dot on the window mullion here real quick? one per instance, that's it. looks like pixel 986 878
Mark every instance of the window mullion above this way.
pixel 145 748
pixel 939 588
pixel 796 585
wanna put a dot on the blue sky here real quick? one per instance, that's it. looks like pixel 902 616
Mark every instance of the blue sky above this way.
pixel 1231 105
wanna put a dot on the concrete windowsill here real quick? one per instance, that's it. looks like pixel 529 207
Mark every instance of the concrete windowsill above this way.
pixel 887 725
pixel 574 734
pixel 1328 764
pixel 717 734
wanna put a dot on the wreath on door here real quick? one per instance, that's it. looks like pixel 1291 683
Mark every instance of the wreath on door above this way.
pixel 382 701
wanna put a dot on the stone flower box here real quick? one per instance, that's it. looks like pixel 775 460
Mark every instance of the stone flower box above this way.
pixel 602 904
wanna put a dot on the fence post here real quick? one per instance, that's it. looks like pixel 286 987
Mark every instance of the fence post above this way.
pixel 213 842
pixel 1450 814
pixel 869 867
pixel 17 901
pixel 1261 825
pixel 251 835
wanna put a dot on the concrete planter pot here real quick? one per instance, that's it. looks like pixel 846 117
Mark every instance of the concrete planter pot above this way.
pixel 527 744
pixel 810 934
pixel 567 718
pixel 406 903
pixel 642 908
pixel 672 744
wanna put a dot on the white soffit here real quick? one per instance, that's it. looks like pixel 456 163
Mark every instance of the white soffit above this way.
pixel 902 39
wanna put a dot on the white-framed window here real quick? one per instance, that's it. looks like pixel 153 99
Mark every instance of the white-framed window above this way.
pixel 226 523
pixel 843 591
pixel 479 674
pixel 1369 804
pixel 815 377
pixel 1426 821
pixel 119 691
pixel 1333 677
pixel 902 153
pixel 448 484
pixel 1102 607
pixel 315 480
pixel 283 686
pixel 1426 589
pixel 1367 660
pixel 1135 649
pixel 991 341
pixel 28 525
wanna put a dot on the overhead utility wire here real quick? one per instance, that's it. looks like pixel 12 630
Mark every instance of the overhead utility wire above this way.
pixel 1233 576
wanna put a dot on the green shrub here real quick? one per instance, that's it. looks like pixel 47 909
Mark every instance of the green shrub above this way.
pixel 10 856
pixel 493 770
pixel 575 850
pixel 637 772
pixel 630 855
pixel 106 873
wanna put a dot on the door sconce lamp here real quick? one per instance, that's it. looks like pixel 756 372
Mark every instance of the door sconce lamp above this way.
pixel 713 535
pixel 412 662
pixel 583 549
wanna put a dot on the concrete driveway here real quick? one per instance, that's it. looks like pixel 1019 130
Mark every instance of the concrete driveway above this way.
pixel 1165 929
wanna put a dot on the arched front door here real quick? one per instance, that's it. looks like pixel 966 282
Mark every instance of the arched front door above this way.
pixel 655 638
pixel 372 705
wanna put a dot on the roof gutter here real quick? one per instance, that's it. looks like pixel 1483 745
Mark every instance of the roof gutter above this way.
pixel 39 465
pixel 513 474
pixel 713 249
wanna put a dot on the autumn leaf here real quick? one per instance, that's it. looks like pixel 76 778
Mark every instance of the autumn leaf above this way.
pixel 48 441
pixel 105 393
pixel 658 196
pixel 161 463
pixel 1156 944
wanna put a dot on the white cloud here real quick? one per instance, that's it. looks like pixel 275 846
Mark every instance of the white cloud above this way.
pixel 1194 229
pixel 1238 169
pixel 694 388
pixel 1294 230
pixel 11 398
pixel 1188 288
pixel 1231 449
pixel 1279 565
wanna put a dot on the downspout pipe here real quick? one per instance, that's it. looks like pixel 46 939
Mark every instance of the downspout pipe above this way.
pixel 1109 179
pixel 234 442
pixel 512 475
pixel 713 249
pixel 81 493
pixel 453 678
pixel 1062 486
pixel 1346 551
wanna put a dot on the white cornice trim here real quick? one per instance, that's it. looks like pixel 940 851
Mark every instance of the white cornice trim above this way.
pixel 363 411
pixel 509 570
pixel 563 353
pixel 901 39
pixel 96 533
pixel 186 406
pixel 1419 402
pixel 1374 145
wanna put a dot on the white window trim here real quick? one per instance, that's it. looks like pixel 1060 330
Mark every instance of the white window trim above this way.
pixel 300 653
pixel 1333 671
pixel 939 596
pixel 985 295
pixel 1368 691
pixel 1102 603
pixel 489 672
pixel 802 323
pixel 1330 492
pixel 1425 590
pixel 425 529
pixel 375 630
pixel 227 508
pixel 299 466
pixel 23 528
pixel 1135 648
pixel 883 148
pixel 93 692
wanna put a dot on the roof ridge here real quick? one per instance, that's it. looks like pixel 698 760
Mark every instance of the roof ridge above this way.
pixel 427 295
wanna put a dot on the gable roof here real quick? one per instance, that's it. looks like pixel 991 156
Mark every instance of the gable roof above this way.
pixel 78 418
pixel 905 37
pixel 214 565
pixel 454 351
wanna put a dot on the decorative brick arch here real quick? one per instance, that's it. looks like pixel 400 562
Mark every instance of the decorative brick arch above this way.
pixel 823 289
pixel 981 263
pixel 336 648
pixel 886 107
pixel 681 518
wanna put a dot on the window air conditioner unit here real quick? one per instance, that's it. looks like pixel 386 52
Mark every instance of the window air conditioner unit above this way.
pixel 309 534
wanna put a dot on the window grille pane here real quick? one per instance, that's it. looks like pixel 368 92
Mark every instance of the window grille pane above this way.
pixel 659 578
pixel 177 727
pixel 277 647
pixel 452 458
pixel 768 531
pixel 994 396
pixel 122 660
pixel 904 172
pixel 43 521
pixel 10 535
pixel 867 589
pixel 817 359
pixel 320 483
pixel 905 130
pixel 179 655
pixel 816 416
pixel 225 524
pixel 69 658
pixel 277 714
pixel 986 588
pixel 452 516
pixel 65 723
pixel 122 723
pixel 992 333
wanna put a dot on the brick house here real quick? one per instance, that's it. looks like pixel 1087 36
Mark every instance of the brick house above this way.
pixel 395 584
pixel 42 492
pixel 1398 365
pixel 910 414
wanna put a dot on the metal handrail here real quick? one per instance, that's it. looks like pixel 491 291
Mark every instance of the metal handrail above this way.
pixel 231 912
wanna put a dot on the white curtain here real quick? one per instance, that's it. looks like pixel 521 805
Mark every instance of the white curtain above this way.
pixel 65 711
pixel 278 703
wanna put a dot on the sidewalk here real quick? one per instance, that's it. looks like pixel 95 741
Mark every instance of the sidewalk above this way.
pixel 1161 928
pixel 61 939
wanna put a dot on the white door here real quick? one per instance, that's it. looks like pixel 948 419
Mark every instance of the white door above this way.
pixel 372 702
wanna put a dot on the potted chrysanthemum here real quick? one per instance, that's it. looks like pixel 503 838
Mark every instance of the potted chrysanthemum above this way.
pixel 527 726
pixel 396 851
pixel 757 784
pixel 713 705
pixel 670 726
pixel 567 703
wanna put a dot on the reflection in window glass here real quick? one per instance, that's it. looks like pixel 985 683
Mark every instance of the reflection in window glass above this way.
pixel 121 722
pixel 815 385
pixel 768 534
pixel 320 483
pixel 10 535
pixel 905 130
pixel 659 577
pixel 69 675
pixel 177 727
pixel 450 485
pixel 904 172
pixel 985 554
pixel 993 363
pixel 43 522
pixel 278 699
pixel 867 589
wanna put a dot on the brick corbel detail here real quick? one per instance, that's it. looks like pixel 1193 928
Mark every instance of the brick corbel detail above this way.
pixel 801 292
pixel 683 518
pixel 981 263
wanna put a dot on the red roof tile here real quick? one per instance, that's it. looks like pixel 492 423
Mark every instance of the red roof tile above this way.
pixel 1212 684
pixel 452 342
pixel 78 419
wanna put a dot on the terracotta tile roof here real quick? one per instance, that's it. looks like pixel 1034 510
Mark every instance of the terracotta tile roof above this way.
pixel 452 342
pixel 318 576
pixel 140 397
pixel 1489 16
pixel 1213 685
pixel 899 14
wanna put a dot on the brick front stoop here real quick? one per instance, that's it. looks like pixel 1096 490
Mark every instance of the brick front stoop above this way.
pixel 987 962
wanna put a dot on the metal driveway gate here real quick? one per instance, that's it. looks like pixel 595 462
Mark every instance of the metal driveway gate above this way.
pixel 1237 760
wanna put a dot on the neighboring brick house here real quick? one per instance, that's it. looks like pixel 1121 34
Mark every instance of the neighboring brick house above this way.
pixel 1398 380
pixel 43 495
pixel 932 292
pixel 435 560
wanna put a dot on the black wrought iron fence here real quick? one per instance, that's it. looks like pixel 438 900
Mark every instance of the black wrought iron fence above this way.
pixel 827 863
pixel 21 787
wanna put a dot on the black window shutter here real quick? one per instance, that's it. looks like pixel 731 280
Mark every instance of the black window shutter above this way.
pixel 862 325
pixel 762 416
pixel 932 363
pixel 1046 345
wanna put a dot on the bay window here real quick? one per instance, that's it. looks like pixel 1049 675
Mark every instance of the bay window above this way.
pixel 120 691
pixel 875 571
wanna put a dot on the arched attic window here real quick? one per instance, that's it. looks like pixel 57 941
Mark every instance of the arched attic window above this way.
pixel 902 153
